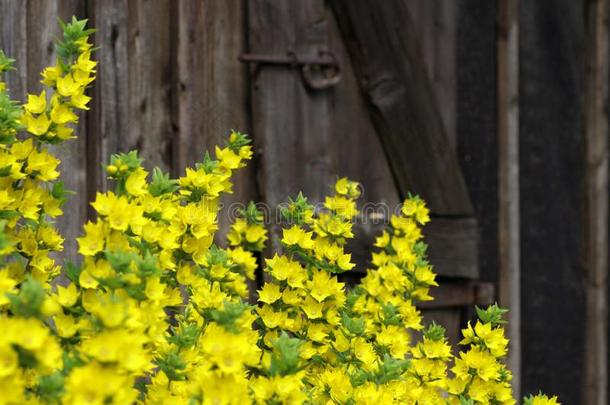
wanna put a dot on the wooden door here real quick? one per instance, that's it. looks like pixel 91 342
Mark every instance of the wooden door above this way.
pixel 389 123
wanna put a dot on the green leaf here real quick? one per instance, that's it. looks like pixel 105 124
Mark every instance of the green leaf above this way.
pixel 297 209
pixel 50 387
pixel 390 314
pixel 493 314
pixel 119 260
pixel 185 335
pixel 28 300
pixel 252 214
pixel 285 358
pixel 72 271
pixel 8 214
pixel 237 140
pixel 434 332
pixel 59 191
pixel 227 316
pixel 209 164
pixel 466 401
pixel 353 325
pixel 161 183
pixel 6 63
pixel 172 365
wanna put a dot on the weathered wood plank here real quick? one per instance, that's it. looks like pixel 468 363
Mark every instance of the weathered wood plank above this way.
pixel 109 115
pixel 435 23
pixel 454 250
pixel 453 246
pixel 42 30
pixel 133 91
pixel 509 270
pixel 290 123
pixel 445 66
pixel 460 293
pixel 150 73
pixel 552 167
pixel 423 16
pixel 476 120
pixel 211 91
pixel 13 41
pixel 596 202
pixel 391 73
pixel 356 142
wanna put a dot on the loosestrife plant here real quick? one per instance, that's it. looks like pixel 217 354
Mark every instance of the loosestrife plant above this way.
pixel 157 313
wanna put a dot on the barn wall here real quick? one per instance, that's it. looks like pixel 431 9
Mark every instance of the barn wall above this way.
pixel 552 189
pixel 170 84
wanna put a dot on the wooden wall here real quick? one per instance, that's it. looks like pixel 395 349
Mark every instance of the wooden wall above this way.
pixel 170 85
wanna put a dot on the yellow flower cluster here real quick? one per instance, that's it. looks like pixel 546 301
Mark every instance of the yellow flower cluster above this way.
pixel 158 313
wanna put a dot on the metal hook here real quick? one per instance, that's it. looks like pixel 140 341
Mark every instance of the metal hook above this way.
pixel 326 81
pixel 326 64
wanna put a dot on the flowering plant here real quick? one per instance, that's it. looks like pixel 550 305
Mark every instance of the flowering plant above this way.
pixel 157 313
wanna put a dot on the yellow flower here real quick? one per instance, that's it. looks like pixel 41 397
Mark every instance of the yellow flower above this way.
pixel 271 318
pixel 228 158
pixel 312 308
pixel 322 285
pixel 347 188
pixel 136 182
pixel 416 208
pixel 110 309
pixel 317 332
pixel 84 63
pixel 67 86
pixel 482 363
pixel 93 241
pixel 541 399
pixel 36 104
pixel 43 164
pixel 67 296
pixel 491 338
pixel 8 360
pixel 80 390
pixel 32 334
pixel 338 384
pixel 80 100
pixel 36 125
pixel 50 75
pixel 297 236
pixel 62 114
pixel 269 293
pixel 66 325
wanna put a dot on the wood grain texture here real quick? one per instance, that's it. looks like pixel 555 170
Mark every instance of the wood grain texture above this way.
pixel 42 29
pixel 133 91
pixel 596 202
pixel 453 246
pixel 109 117
pixel 13 41
pixel 460 293
pixel 290 123
pixel 445 66
pixel 552 174
pixel 149 72
pixel 388 62
pixel 509 252
pixel 476 122
pixel 435 23
pixel 359 154
pixel 454 250
pixel 211 90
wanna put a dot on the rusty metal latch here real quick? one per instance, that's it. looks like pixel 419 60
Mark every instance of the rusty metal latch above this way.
pixel 318 72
